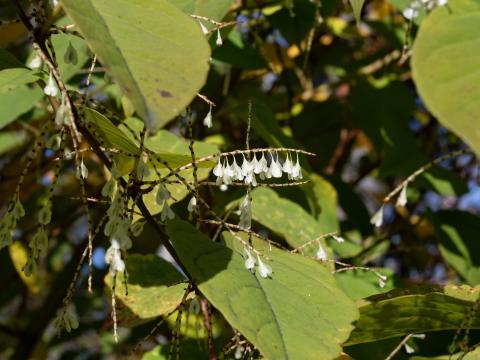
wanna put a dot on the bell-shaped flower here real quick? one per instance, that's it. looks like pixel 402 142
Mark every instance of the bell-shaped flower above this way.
pixel 204 28
pixel 296 173
pixel 113 257
pixel 82 170
pixel 228 173
pixel 207 121
pixel 247 167
pixel 287 165
pixel 219 40
pixel 377 218
pixel 275 169
pixel 218 169
pixel 261 166
pixel 51 88
pixel 249 261
pixel 321 253
pixel 338 239
pixel 35 63
pixel 250 179
pixel 264 270
pixel 402 198
pixel 192 204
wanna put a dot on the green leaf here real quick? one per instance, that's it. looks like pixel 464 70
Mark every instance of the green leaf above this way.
pixel 14 77
pixel 457 232
pixel 445 62
pixel 359 284
pixel 357 6
pixel 276 213
pixel 415 310
pixel 16 102
pixel 262 309
pixel 155 288
pixel 214 10
pixel 156 53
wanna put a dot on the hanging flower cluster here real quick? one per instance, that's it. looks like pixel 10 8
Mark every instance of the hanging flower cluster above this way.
pixel 413 10
pixel 9 222
pixel 264 270
pixel 226 173
pixel 117 228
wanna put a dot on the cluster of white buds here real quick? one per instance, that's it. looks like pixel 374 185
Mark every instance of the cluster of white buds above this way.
pixel 226 173
pixel 264 270
pixel 9 221
pixel 162 196
pixel 66 319
pixel 39 246
pixel 51 88
pixel 413 10
pixel 117 228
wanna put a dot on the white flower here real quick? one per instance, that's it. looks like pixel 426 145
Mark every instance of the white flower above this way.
pixel 275 168
pixel 35 63
pixel 207 121
pixel 264 270
pixel 250 179
pixel 51 88
pixel 410 13
pixel 261 166
pixel 287 165
pixel 218 169
pixel 228 173
pixel 204 29
pixel 249 261
pixel 192 204
pixel 219 41
pixel 377 218
pixel 442 2
pixel 409 349
pixel 245 214
pixel 113 257
pixel 237 170
pixel 296 173
pixel 162 194
pixel 82 170
pixel 247 166
pixel 167 212
pixel 402 198
pixel 381 280
pixel 338 239
pixel 321 253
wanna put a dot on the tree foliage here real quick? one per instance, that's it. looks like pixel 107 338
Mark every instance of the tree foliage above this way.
pixel 278 179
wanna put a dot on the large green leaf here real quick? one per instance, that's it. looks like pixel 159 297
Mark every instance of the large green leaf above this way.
pixel 16 102
pixel 445 67
pixel 10 140
pixel 287 219
pixel 156 53
pixel 11 78
pixel 155 288
pixel 212 9
pixel 416 310
pixel 264 310
pixel 457 232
